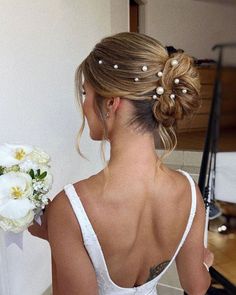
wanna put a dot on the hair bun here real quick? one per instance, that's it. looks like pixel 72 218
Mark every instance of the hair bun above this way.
pixel 180 80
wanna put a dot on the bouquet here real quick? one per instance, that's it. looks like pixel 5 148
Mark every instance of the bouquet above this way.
pixel 25 179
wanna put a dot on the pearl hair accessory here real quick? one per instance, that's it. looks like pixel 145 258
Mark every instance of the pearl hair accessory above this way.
pixel 160 90
pixel 174 62
pixel 144 68
pixel 176 81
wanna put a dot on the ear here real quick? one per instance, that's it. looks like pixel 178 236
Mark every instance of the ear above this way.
pixel 113 103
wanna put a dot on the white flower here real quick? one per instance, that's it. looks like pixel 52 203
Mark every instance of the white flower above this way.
pixel 13 154
pixel 23 185
pixel 16 225
pixel 39 156
pixel 48 182
pixel 44 200
pixel 15 189
pixel 27 165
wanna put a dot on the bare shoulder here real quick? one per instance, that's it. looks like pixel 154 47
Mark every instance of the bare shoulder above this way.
pixel 61 199
pixel 178 189
pixel 60 205
pixel 181 180
pixel 60 213
pixel 185 183
pixel 177 182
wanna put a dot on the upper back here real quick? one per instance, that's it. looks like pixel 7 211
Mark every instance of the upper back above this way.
pixel 138 225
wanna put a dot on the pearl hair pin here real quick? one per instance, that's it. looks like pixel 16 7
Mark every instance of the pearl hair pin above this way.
pixel 176 81
pixel 174 62
pixel 160 90
pixel 144 68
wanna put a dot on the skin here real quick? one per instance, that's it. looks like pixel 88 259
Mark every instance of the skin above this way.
pixel 146 211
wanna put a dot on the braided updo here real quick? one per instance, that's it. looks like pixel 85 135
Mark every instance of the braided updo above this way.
pixel 133 66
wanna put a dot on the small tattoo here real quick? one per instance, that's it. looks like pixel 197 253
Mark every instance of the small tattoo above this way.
pixel 156 270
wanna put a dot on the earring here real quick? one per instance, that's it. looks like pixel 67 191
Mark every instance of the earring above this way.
pixel 107 115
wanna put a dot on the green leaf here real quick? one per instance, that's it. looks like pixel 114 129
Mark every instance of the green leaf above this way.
pixel 38 172
pixel 43 175
pixel 31 173
pixel 1 170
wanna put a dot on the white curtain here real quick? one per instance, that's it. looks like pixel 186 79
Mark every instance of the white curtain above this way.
pixel 225 189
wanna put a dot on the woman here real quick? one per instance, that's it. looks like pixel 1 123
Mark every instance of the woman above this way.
pixel 118 231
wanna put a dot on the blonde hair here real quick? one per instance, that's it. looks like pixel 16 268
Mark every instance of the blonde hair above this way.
pixel 131 51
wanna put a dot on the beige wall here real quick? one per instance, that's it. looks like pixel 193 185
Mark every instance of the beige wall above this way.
pixel 119 16
pixel 42 42
pixel 192 25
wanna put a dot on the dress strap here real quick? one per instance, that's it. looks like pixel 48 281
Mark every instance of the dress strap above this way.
pixel 190 219
pixel 85 225
pixel 193 205
pixel 90 239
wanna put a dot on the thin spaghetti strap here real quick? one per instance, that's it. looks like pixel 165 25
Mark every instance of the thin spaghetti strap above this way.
pixel 193 205
pixel 190 219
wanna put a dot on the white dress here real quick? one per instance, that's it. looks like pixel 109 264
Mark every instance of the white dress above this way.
pixel 105 284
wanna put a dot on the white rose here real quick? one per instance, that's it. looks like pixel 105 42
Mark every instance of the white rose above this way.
pixel 13 154
pixel 15 189
pixel 17 225
pixel 39 156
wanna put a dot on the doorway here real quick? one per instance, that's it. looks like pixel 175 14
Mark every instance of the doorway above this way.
pixel 134 16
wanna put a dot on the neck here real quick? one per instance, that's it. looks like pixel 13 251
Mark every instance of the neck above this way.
pixel 133 152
